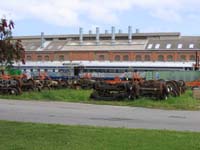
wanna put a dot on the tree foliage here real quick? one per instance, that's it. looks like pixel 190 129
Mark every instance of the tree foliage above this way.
pixel 10 50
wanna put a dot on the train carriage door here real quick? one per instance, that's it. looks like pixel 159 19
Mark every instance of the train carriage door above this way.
pixel 77 70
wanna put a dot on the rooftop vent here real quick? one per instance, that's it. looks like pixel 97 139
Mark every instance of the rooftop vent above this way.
pixel 129 34
pixel 81 35
pixel 42 40
pixel 97 35
pixel 137 31
pixel 106 31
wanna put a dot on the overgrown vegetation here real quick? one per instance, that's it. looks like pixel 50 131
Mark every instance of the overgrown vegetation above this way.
pixel 10 50
pixel 29 136
pixel 184 102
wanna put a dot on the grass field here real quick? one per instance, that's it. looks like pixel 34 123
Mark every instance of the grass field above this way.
pixel 184 102
pixel 29 136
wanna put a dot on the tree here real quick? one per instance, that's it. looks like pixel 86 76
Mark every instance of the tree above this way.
pixel 10 50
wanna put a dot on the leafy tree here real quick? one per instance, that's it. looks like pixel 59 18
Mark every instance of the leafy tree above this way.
pixel 10 50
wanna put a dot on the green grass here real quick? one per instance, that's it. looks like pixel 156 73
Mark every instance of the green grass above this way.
pixel 53 95
pixel 184 102
pixel 29 136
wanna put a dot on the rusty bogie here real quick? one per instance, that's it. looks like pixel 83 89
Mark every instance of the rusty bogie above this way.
pixel 155 89
pixel 9 86
pixel 118 91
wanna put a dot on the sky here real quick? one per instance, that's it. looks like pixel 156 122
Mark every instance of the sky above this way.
pixel 32 17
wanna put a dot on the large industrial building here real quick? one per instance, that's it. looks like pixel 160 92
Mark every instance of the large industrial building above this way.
pixel 112 47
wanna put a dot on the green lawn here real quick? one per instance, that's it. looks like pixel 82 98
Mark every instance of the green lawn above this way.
pixel 184 102
pixel 29 136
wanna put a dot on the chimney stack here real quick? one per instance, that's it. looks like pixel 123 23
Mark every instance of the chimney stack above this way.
pixel 81 35
pixel 113 34
pixel 129 34
pixel 106 31
pixel 97 35
pixel 42 40
pixel 90 32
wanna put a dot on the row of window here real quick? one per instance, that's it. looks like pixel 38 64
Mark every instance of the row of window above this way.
pixel 46 58
pixel 168 46
pixel 159 58
pixel 122 58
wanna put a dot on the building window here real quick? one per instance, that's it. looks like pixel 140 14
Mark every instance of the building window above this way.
pixel 150 46
pixel 147 58
pixel 180 46
pixel 157 46
pixel 125 58
pixel 168 46
pixel 160 58
pixel 61 58
pixel 46 58
pixel 138 58
pixel 32 47
pixel 182 58
pixel 39 58
pixel 169 58
pixel 117 58
pixel 29 58
pixel 192 58
pixel 101 57
pixel 191 46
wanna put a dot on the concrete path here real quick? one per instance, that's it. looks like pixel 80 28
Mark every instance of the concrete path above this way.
pixel 98 115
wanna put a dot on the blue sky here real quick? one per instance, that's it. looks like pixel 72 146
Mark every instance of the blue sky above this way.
pixel 32 17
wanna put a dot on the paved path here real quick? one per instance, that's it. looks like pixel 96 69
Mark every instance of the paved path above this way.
pixel 98 115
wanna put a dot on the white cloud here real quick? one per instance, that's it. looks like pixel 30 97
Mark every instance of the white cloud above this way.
pixel 69 13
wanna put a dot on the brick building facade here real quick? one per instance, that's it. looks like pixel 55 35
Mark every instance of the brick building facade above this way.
pixel 112 47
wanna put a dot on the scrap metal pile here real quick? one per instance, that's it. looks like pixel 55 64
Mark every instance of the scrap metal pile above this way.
pixel 16 84
pixel 118 90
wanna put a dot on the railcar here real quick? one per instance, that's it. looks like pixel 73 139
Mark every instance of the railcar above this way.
pixel 100 69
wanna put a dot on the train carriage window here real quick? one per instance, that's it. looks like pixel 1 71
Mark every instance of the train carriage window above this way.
pixel 117 58
pixel 160 58
pixel 169 58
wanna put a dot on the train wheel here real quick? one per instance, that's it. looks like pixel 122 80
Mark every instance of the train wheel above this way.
pixel 47 88
pixel 13 91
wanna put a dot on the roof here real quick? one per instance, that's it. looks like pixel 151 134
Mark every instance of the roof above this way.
pixel 140 41
pixel 182 43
